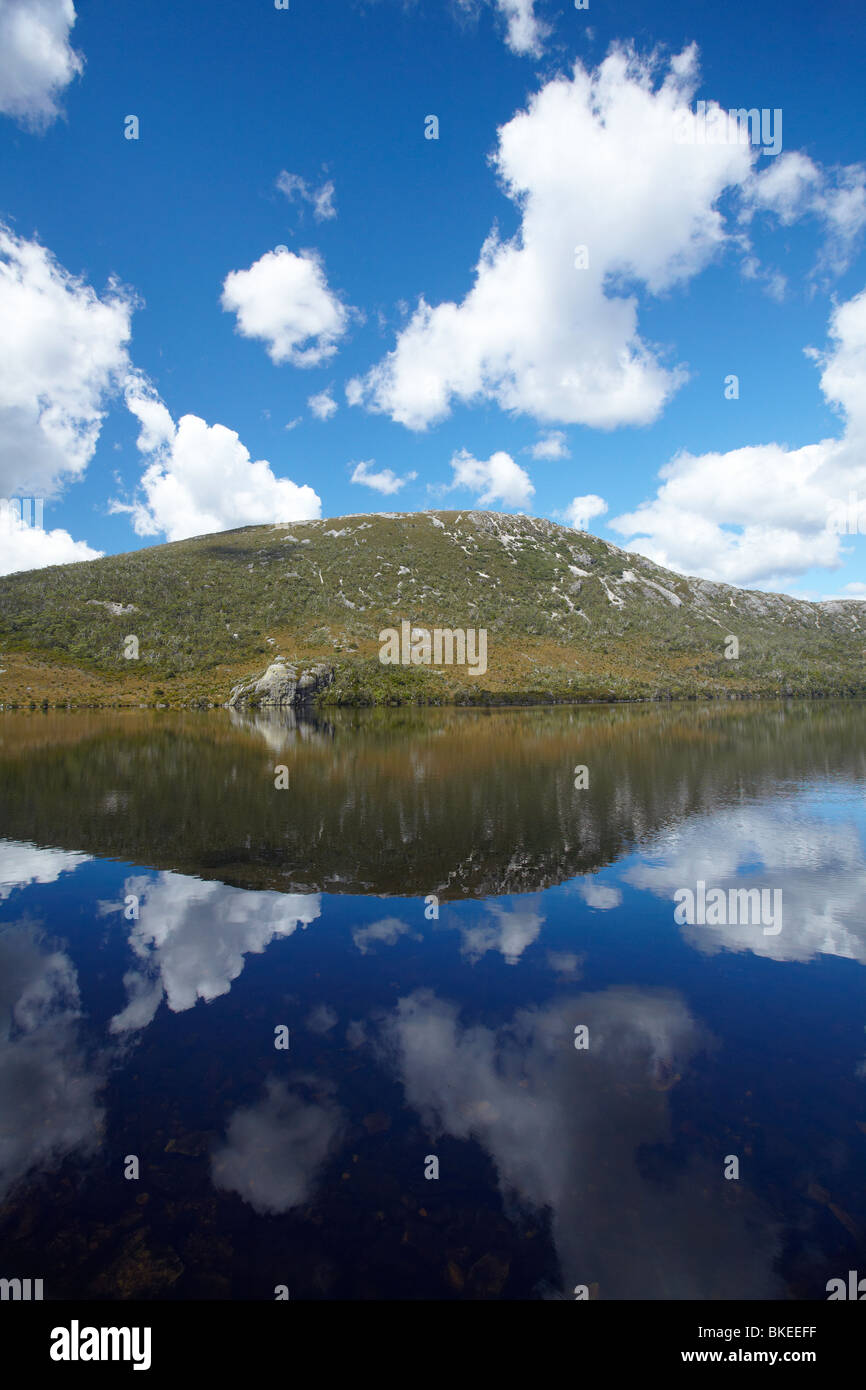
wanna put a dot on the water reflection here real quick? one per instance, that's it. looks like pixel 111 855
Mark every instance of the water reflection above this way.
pixel 48 1088
pixel 816 860
pixel 510 932
pixel 384 933
pixel 156 898
pixel 568 1130
pixel 22 863
pixel 275 1148
pixel 282 729
pixel 190 939
pixel 407 803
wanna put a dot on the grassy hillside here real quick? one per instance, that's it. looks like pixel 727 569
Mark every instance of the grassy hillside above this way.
pixel 568 617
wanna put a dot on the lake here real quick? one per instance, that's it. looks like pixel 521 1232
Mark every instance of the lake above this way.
pixel 434 1004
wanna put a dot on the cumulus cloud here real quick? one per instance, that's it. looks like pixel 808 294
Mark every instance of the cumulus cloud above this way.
pixel 62 353
pixel 322 405
pixel 551 446
pixel 497 479
pixel 592 162
pixel 385 480
pixel 284 301
pixel 793 187
pixel 200 478
pixel 24 547
pixel 766 513
pixel 581 510
pixel 321 198
pixel 36 59
pixel 525 33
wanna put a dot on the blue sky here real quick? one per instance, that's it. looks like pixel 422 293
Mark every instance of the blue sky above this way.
pixel 160 354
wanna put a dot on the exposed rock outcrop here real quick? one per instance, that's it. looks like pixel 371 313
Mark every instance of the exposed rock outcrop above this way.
pixel 283 686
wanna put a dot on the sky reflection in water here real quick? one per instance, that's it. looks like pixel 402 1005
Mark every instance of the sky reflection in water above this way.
pixel 163 909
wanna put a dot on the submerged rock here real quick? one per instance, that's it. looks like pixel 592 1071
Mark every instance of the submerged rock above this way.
pixel 283 685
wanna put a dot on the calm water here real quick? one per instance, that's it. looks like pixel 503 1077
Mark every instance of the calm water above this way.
pixel 164 909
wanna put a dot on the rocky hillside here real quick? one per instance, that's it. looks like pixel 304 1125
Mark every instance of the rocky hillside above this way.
pixel 568 617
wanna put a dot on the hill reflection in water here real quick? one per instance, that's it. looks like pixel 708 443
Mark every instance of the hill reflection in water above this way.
pixel 431 908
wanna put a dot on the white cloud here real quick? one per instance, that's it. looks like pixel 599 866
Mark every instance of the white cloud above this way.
pixel 36 58
pixel 24 547
pixel 323 405
pixel 385 481
pixel 525 33
pixel 157 429
pixel 581 510
pixel 793 186
pixel 764 513
pixel 497 479
pixel 843 381
pixel 323 203
pixel 551 446
pixel 321 198
pixel 62 352
pixel 284 301
pixel 200 478
pixel 784 186
pixel 591 162
pixel 752 515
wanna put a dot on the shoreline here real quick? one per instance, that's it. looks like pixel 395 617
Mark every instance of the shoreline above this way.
pixel 319 709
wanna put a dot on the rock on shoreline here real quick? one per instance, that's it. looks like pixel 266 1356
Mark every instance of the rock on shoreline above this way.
pixel 283 685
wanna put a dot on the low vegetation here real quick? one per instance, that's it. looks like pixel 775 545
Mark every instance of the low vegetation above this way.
pixel 569 617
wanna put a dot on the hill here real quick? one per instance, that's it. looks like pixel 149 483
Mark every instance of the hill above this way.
pixel 568 616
